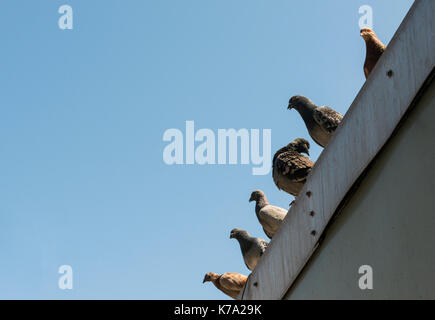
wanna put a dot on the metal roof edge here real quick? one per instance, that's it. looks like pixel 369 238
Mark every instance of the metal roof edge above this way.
pixel 371 119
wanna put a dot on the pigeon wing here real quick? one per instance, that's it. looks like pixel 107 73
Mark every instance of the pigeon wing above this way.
pixel 233 281
pixel 327 118
pixel 293 165
pixel 271 218
pixel 273 214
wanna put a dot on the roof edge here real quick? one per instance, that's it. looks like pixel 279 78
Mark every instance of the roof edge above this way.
pixel 368 124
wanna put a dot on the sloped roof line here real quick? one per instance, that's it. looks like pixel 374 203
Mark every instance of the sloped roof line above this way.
pixel 366 127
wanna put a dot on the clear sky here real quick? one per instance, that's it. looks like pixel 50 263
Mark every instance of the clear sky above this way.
pixel 83 112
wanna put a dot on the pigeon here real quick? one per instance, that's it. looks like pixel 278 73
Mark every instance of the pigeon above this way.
pixel 229 283
pixel 321 122
pixel 252 248
pixel 374 49
pixel 270 217
pixel 290 167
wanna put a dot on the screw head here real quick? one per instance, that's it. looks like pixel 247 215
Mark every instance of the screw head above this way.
pixel 390 73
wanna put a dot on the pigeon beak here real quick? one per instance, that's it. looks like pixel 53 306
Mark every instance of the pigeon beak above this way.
pixel 231 235
pixel 289 107
pixel 308 153
pixel 203 281
pixel 250 199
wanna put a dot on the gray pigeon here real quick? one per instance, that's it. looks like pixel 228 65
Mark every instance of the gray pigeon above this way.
pixel 270 217
pixel 291 168
pixel 252 248
pixel 321 122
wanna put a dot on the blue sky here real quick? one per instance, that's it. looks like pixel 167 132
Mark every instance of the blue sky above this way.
pixel 83 112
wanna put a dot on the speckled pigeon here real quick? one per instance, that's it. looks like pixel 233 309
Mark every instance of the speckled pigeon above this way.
pixel 321 122
pixel 290 167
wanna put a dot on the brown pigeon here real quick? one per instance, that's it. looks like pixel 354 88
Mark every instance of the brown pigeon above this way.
pixel 270 217
pixel 229 283
pixel 321 122
pixel 290 167
pixel 375 48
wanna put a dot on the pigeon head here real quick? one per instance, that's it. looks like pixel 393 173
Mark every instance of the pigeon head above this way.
pixel 299 102
pixel 238 234
pixel 367 34
pixel 300 145
pixel 210 277
pixel 257 195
